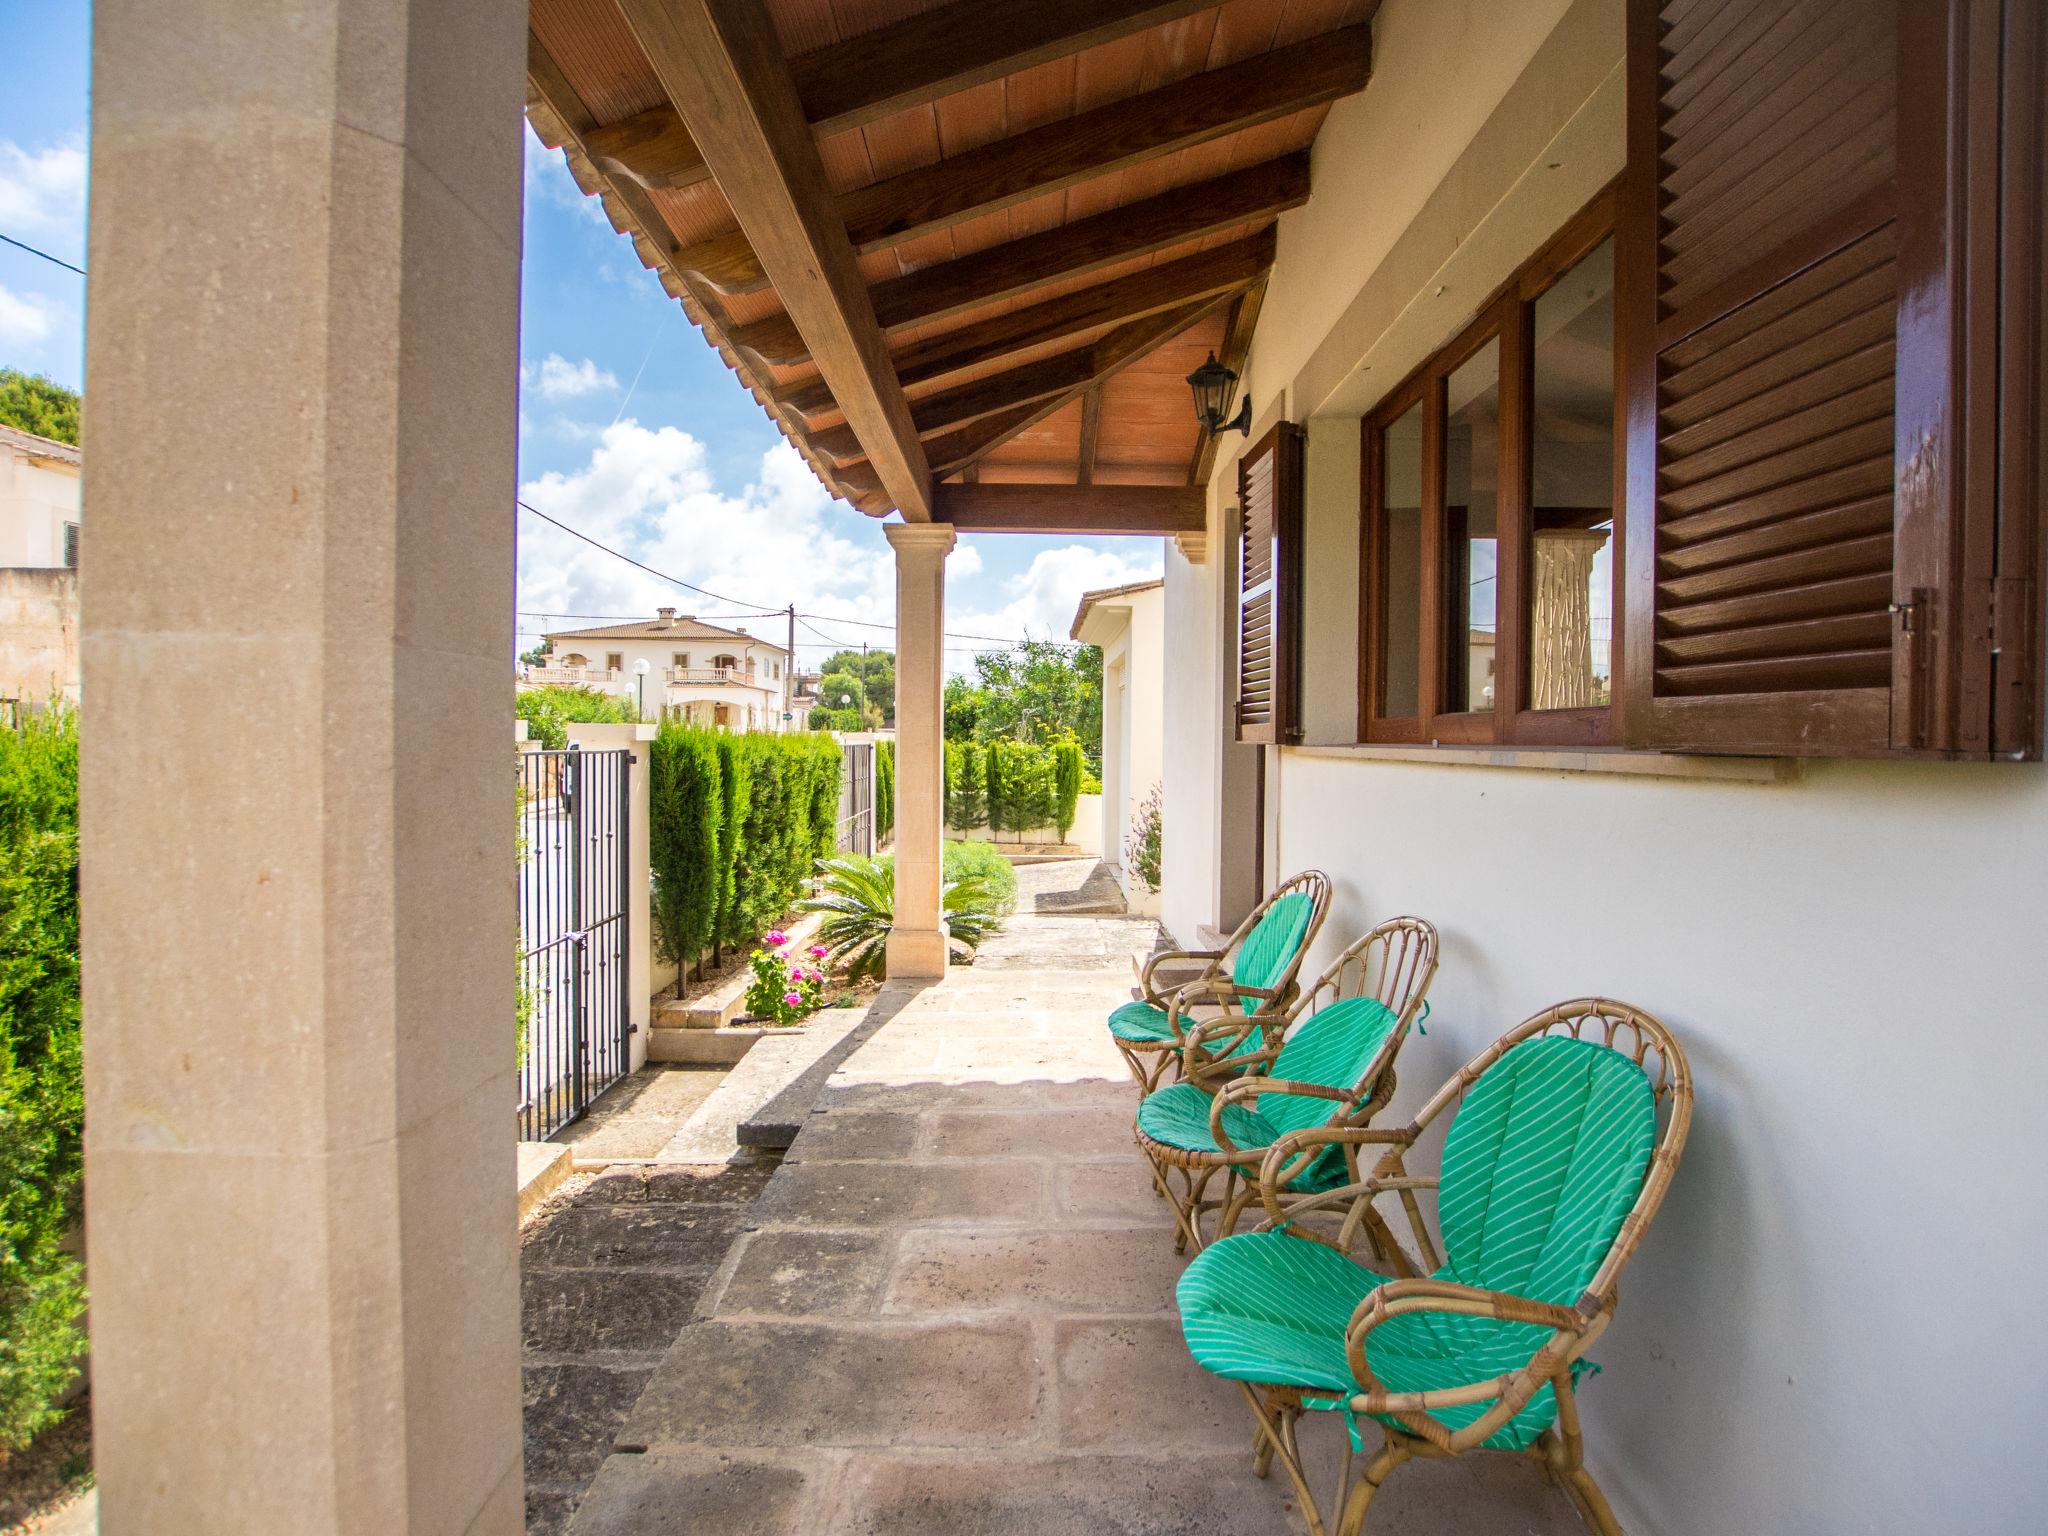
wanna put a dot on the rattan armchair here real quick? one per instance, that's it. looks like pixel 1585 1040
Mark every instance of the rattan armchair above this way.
pixel 1335 1070
pixel 1483 1347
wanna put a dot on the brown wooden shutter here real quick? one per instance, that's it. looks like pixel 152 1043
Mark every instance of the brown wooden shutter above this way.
pixel 1269 588
pixel 1800 218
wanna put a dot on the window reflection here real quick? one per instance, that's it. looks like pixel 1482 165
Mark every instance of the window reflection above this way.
pixel 1571 580
pixel 1471 499
pixel 1400 606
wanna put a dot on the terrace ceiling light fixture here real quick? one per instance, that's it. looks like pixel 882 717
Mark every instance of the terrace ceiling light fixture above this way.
pixel 1212 384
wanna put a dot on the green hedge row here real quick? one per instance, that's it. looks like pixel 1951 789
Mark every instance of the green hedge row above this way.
pixel 885 790
pixel 735 824
pixel 42 1094
pixel 1012 786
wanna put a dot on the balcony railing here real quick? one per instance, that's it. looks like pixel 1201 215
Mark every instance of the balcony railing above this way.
pixel 708 675
pixel 582 676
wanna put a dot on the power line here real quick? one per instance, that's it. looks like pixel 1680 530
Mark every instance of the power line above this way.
pixel 58 260
pixel 758 610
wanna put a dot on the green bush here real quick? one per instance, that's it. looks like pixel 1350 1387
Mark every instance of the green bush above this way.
pixel 996 783
pixel 42 1097
pixel 1022 790
pixel 966 786
pixel 549 712
pixel 1067 771
pixel 885 789
pixel 736 822
pixel 973 859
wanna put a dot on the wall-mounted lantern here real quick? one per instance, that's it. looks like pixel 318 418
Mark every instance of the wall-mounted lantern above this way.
pixel 1212 384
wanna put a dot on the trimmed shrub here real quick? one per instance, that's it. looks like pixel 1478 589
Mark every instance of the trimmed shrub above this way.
pixel 966 786
pixel 42 1096
pixel 996 782
pixel 1067 768
pixel 885 789
pixel 685 819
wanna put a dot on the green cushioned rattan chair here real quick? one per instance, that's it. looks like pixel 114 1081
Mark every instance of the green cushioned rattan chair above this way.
pixel 1336 1068
pixel 1566 1138
pixel 1246 986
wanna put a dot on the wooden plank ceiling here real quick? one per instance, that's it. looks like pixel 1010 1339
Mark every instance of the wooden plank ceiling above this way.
pixel 959 245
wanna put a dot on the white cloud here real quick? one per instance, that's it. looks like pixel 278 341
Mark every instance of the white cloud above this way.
pixel 1042 597
pixel 43 192
pixel 964 561
pixel 548 179
pixel 24 318
pixel 559 379
pixel 651 493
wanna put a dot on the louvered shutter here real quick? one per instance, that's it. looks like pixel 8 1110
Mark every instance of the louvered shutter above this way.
pixel 1796 225
pixel 1269 588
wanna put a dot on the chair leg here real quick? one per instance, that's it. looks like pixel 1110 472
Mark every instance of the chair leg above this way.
pixel 1352 1521
pixel 1276 1416
pixel 1238 1193
pixel 1564 1453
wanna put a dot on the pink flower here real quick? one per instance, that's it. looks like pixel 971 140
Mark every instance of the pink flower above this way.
pixel 796 973
pixel 815 976
pixel 794 999
pixel 818 951
pixel 775 939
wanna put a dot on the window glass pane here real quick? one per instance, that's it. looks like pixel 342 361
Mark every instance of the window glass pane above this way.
pixel 1400 604
pixel 1471 472
pixel 1571 448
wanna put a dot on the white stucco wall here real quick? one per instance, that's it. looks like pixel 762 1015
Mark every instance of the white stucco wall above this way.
pixel 1853 958
pixel 764 692
pixel 37 498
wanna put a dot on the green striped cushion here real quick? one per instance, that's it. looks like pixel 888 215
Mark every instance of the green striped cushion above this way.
pixel 1331 1049
pixel 1140 1023
pixel 1271 944
pixel 1545 1158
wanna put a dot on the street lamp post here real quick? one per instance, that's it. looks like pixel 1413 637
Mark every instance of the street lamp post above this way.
pixel 640 681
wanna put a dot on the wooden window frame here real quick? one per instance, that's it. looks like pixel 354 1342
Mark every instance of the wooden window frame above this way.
pixel 1507 316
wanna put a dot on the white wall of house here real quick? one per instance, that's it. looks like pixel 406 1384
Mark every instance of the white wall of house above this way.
pixel 1851 952
pixel 1131 629
pixel 696 674
pixel 39 496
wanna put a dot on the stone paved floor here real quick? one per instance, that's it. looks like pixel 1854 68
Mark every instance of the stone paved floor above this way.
pixel 1069 885
pixel 951 1311
pixel 638 1115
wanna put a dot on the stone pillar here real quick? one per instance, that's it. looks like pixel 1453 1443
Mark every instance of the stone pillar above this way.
pixel 302 356
pixel 1561 618
pixel 917 942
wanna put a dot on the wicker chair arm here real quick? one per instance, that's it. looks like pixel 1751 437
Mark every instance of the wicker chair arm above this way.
pixel 1242 1088
pixel 1289 1157
pixel 1509 1393
pixel 1152 963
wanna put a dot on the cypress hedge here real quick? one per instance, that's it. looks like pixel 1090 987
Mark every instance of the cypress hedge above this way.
pixel 42 1094
pixel 1066 776
pixel 885 790
pixel 736 823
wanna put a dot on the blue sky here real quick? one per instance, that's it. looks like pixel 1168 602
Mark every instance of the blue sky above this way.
pixel 631 428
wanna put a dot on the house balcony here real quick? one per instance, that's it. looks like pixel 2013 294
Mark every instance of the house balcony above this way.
pixel 690 676
pixel 573 677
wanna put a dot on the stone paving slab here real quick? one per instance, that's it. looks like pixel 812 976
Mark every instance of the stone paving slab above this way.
pixel 952 1314
pixel 779 1062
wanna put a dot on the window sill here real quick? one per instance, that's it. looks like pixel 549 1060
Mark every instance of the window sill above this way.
pixel 1649 765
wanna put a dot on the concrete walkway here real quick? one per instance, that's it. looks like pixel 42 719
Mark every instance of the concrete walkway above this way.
pixel 953 1313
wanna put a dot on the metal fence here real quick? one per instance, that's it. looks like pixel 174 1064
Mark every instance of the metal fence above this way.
pixel 572 933
pixel 857 797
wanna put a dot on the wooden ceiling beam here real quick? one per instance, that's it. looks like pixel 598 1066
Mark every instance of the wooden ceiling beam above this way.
pixel 1237 347
pixel 919 59
pixel 1228 269
pixel 984 397
pixel 722 66
pixel 1060 154
pixel 1146 510
pixel 1071 250
pixel 1091 434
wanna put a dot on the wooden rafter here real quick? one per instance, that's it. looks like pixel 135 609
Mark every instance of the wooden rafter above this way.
pixel 1091 433
pixel 722 66
pixel 1227 269
pixel 1158 510
pixel 563 121
pixel 1237 346
pixel 1058 374
pixel 1060 154
pixel 937 53
pixel 1069 250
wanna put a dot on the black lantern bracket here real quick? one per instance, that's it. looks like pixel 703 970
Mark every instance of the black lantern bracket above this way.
pixel 1213 384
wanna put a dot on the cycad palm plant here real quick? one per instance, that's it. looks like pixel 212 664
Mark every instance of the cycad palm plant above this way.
pixel 858 896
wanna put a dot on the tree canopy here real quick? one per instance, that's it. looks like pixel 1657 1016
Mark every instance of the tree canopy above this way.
pixel 873 676
pixel 1037 691
pixel 29 402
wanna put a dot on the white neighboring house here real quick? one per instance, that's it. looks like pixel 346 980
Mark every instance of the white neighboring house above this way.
pixel 694 671
pixel 39 521
pixel 1129 623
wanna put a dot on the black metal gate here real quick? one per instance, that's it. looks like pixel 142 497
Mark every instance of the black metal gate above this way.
pixel 572 933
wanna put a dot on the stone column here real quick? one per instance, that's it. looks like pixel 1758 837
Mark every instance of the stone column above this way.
pixel 917 942
pixel 1561 618
pixel 302 356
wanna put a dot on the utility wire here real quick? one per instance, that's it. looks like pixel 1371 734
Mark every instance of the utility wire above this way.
pixel 58 260
pixel 756 610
